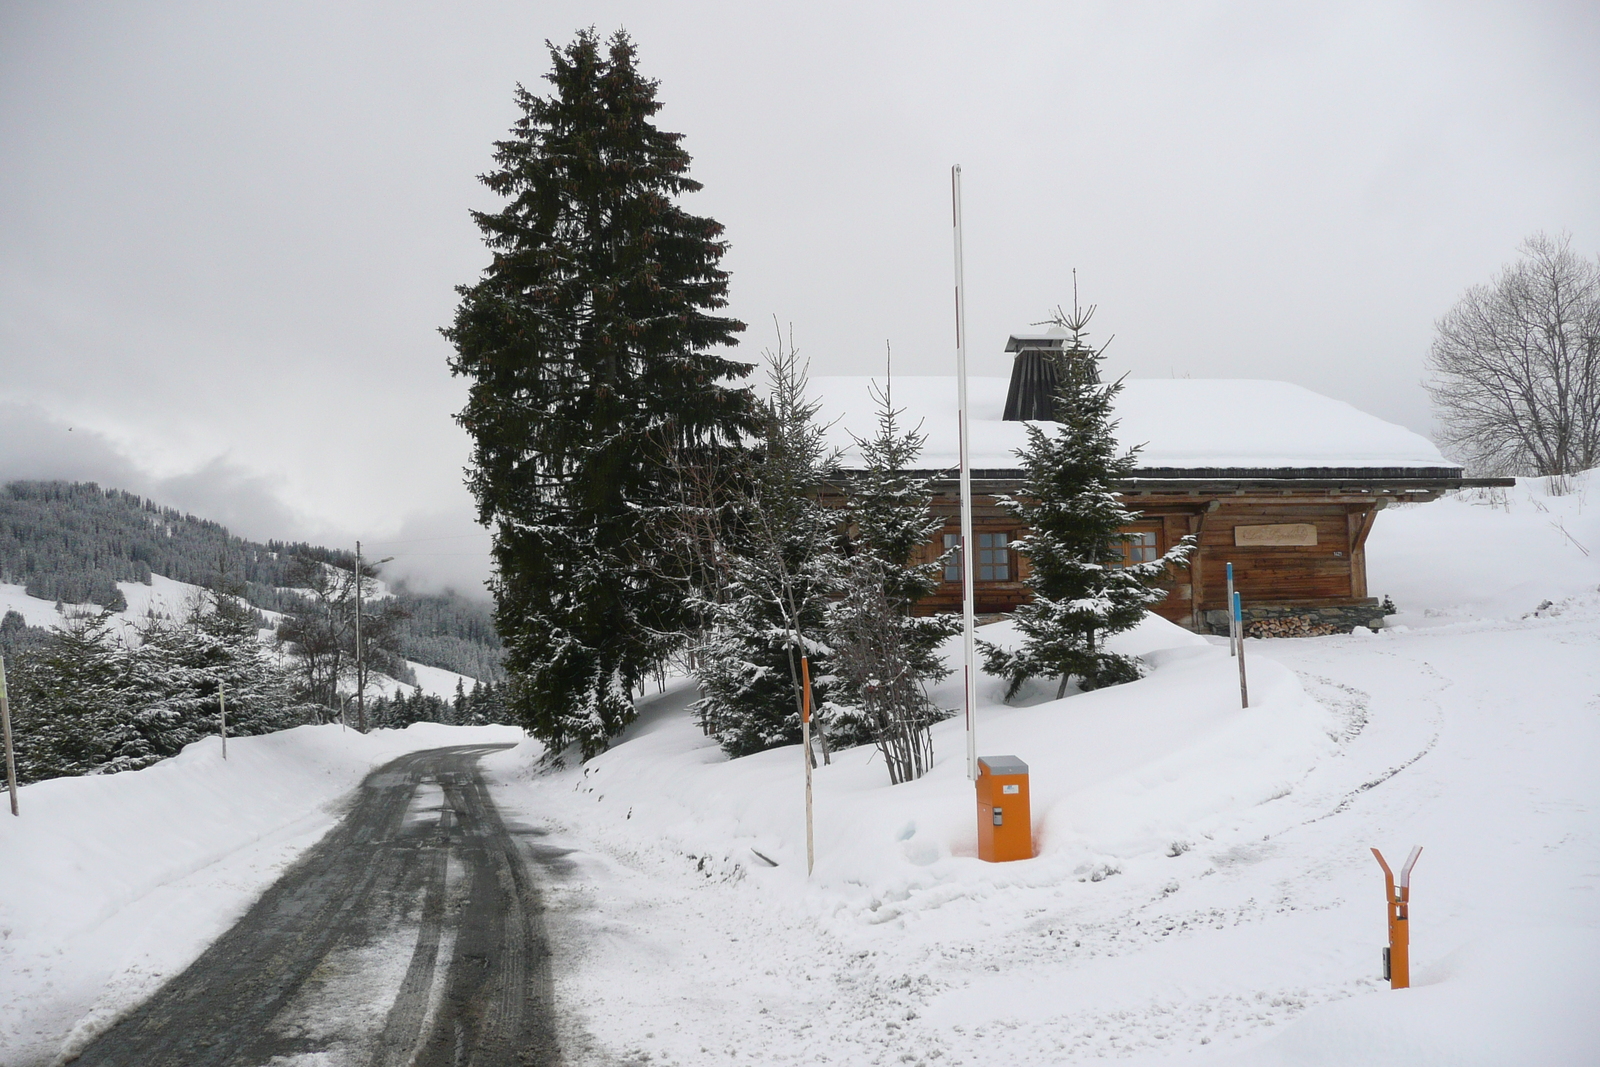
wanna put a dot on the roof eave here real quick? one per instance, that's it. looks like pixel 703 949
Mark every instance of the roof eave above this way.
pixel 1376 480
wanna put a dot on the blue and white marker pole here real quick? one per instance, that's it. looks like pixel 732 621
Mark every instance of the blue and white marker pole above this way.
pixel 1233 632
pixel 1238 627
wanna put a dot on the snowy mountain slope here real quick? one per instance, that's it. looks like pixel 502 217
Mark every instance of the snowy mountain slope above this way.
pixel 1204 889
pixel 111 883
pixel 79 542
pixel 163 596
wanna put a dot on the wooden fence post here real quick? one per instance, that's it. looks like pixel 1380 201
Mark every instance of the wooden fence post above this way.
pixel 1238 626
pixel 5 726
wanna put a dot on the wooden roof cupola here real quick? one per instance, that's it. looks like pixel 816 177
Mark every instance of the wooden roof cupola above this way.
pixel 1032 394
pixel 1041 357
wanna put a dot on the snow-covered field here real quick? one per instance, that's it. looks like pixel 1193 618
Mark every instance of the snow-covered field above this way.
pixel 112 883
pixel 1203 891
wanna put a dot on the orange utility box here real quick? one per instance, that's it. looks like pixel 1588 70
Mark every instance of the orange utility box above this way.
pixel 1005 823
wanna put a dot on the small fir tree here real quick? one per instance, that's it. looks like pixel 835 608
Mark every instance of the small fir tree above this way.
pixel 87 701
pixel 779 575
pixel 181 674
pixel 590 338
pixel 1083 589
pixel 67 697
pixel 884 656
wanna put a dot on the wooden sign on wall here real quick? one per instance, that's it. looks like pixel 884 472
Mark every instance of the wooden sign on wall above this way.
pixel 1278 534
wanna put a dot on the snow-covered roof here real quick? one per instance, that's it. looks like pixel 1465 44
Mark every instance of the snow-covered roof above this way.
pixel 1183 423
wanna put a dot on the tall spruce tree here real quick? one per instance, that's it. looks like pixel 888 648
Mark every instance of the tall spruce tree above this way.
pixel 589 341
pixel 883 655
pixel 1083 588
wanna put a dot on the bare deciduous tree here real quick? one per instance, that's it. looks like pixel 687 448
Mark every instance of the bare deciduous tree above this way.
pixel 1516 365
pixel 320 635
pixel 875 660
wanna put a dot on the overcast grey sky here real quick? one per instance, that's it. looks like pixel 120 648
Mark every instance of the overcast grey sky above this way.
pixel 229 233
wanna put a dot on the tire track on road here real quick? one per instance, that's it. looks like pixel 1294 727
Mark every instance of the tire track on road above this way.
pixel 272 988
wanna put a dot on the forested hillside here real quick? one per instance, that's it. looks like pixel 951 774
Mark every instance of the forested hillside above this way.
pixel 73 542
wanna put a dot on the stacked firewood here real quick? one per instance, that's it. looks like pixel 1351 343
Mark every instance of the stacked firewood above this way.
pixel 1289 626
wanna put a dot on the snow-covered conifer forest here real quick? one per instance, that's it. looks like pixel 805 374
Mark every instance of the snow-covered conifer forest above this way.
pixel 129 628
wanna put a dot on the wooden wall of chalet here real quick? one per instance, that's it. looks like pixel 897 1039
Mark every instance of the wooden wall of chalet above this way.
pixel 987 517
pixel 1331 572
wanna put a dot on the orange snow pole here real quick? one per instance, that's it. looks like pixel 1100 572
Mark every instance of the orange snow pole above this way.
pixel 805 682
pixel 1397 957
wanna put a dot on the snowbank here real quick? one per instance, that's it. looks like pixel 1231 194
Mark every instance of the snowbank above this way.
pixel 1492 553
pixel 1203 887
pixel 1114 774
pixel 109 884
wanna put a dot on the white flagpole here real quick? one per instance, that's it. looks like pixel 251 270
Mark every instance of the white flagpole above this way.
pixel 968 613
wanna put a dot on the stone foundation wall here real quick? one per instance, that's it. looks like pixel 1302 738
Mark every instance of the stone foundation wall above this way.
pixel 1291 621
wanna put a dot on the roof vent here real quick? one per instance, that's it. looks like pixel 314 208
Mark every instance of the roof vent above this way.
pixel 1033 374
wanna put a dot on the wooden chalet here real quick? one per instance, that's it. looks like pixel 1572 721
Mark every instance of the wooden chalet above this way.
pixel 1282 482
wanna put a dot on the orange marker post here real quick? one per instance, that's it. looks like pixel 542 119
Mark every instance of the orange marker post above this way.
pixel 1397 957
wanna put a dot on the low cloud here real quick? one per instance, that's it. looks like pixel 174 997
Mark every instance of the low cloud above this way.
pixel 434 550
pixel 35 445
pixel 437 551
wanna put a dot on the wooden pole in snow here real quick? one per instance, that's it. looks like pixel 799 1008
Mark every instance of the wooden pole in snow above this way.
pixel 1238 625
pixel 805 745
pixel 361 678
pixel 222 714
pixel 5 723
pixel 968 610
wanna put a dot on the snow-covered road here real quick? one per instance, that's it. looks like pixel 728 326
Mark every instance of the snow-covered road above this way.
pixel 411 935
pixel 111 885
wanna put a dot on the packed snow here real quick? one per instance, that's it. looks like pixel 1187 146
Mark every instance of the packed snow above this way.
pixel 1203 889
pixel 1178 422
